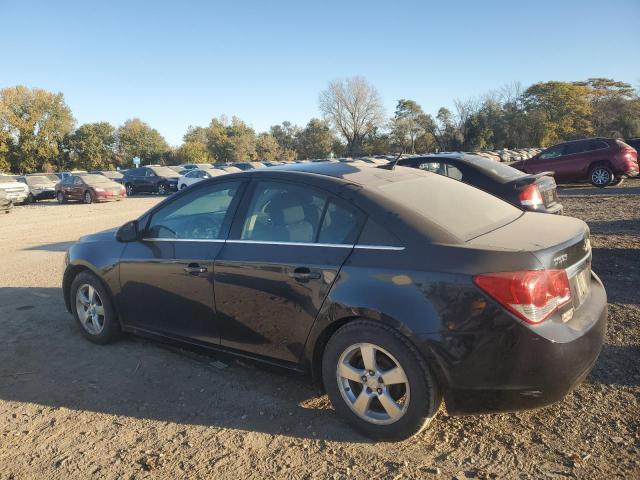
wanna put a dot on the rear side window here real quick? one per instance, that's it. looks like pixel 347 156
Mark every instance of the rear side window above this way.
pixel 283 212
pixel 464 211
pixel 597 145
pixel 374 234
pixel 340 225
pixel 576 147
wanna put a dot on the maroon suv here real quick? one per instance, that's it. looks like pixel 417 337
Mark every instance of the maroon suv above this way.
pixel 602 161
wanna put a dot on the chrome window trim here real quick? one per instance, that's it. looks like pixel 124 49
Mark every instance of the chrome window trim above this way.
pixel 259 242
pixel 306 244
pixel 206 240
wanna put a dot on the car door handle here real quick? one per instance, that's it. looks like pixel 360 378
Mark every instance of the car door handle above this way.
pixel 305 273
pixel 194 268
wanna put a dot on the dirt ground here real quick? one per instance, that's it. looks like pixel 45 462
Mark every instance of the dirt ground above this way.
pixel 137 409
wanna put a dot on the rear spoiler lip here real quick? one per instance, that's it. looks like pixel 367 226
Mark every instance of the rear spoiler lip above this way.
pixel 528 179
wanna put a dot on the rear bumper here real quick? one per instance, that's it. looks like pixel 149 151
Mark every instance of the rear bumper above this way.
pixel 519 369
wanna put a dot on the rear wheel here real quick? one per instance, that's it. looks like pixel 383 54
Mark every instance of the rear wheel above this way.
pixel 130 190
pixel 601 176
pixel 616 181
pixel 378 381
pixel 93 309
pixel 162 188
pixel 88 197
pixel 61 198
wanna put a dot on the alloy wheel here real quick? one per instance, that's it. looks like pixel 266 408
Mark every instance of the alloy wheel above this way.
pixel 600 176
pixel 90 309
pixel 87 197
pixel 60 197
pixel 162 189
pixel 129 188
pixel 373 383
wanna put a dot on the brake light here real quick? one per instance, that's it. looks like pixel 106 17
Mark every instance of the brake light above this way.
pixel 532 295
pixel 531 196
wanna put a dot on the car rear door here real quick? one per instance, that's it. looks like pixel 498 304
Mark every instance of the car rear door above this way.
pixel 167 276
pixel 286 247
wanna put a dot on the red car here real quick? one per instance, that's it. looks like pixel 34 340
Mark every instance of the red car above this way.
pixel 602 161
pixel 89 188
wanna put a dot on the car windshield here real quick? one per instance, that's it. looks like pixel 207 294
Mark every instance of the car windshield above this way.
pixel 36 179
pixel 92 179
pixel 164 172
pixel 461 209
pixel 4 179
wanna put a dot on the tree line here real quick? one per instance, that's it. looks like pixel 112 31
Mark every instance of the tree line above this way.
pixel 38 131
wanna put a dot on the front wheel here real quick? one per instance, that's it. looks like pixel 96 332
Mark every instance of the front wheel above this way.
pixel 378 381
pixel 93 309
pixel 130 190
pixel 61 198
pixel 88 197
pixel 162 188
pixel 601 176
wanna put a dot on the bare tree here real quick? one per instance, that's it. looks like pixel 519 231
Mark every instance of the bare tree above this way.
pixel 353 107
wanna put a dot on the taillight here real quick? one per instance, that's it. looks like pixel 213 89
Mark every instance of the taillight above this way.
pixel 531 196
pixel 532 295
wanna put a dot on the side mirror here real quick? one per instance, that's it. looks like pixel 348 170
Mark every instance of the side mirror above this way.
pixel 128 232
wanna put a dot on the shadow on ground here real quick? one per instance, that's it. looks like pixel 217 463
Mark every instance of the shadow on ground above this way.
pixel 45 360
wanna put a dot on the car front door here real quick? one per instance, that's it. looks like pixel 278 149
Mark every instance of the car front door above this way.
pixel 287 245
pixel 77 188
pixel 550 160
pixel 167 276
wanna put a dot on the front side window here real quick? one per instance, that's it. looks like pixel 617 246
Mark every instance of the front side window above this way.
pixel 552 152
pixel 283 212
pixel 77 181
pixel 197 215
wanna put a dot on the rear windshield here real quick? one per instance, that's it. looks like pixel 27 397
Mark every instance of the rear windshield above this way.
pixel 462 210
pixel 499 170
pixel 36 179
pixel 112 174
pixel 95 179
pixel 164 171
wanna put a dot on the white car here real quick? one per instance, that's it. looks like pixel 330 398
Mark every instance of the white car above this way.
pixel 197 174
pixel 16 191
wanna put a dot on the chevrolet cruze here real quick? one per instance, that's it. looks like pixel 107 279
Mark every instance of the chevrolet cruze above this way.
pixel 396 288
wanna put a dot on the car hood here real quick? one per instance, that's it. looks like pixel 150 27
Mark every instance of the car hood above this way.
pixel 100 236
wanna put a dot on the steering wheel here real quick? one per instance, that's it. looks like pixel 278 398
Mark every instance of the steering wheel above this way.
pixel 203 227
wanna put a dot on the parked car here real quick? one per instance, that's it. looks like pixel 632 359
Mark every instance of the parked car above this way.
pixel 41 187
pixel 63 175
pixel 5 202
pixel 226 167
pixel 536 193
pixel 196 175
pixel 114 175
pixel 244 166
pixel 51 176
pixel 193 166
pixel 89 188
pixel 602 161
pixel 151 179
pixel 396 288
pixel 17 192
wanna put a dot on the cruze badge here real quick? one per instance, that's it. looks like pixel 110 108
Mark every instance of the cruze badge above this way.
pixel 560 259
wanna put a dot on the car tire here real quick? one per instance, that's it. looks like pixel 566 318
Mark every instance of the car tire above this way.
pixel 93 309
pixel 183 186
pixel 30 199
pixel 617 181
pixel 600 176
pixel 129 189
pixel 394 409
pixel 61 198
pixel 163 189
pixel 88 197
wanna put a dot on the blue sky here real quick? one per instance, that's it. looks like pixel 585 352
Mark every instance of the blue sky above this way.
pixel 175 64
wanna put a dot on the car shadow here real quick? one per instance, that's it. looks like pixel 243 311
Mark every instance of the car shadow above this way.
pixel 44 359
pixel 627 226
pixel 612 266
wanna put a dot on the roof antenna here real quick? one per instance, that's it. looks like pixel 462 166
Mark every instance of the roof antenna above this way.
pixel 393 165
